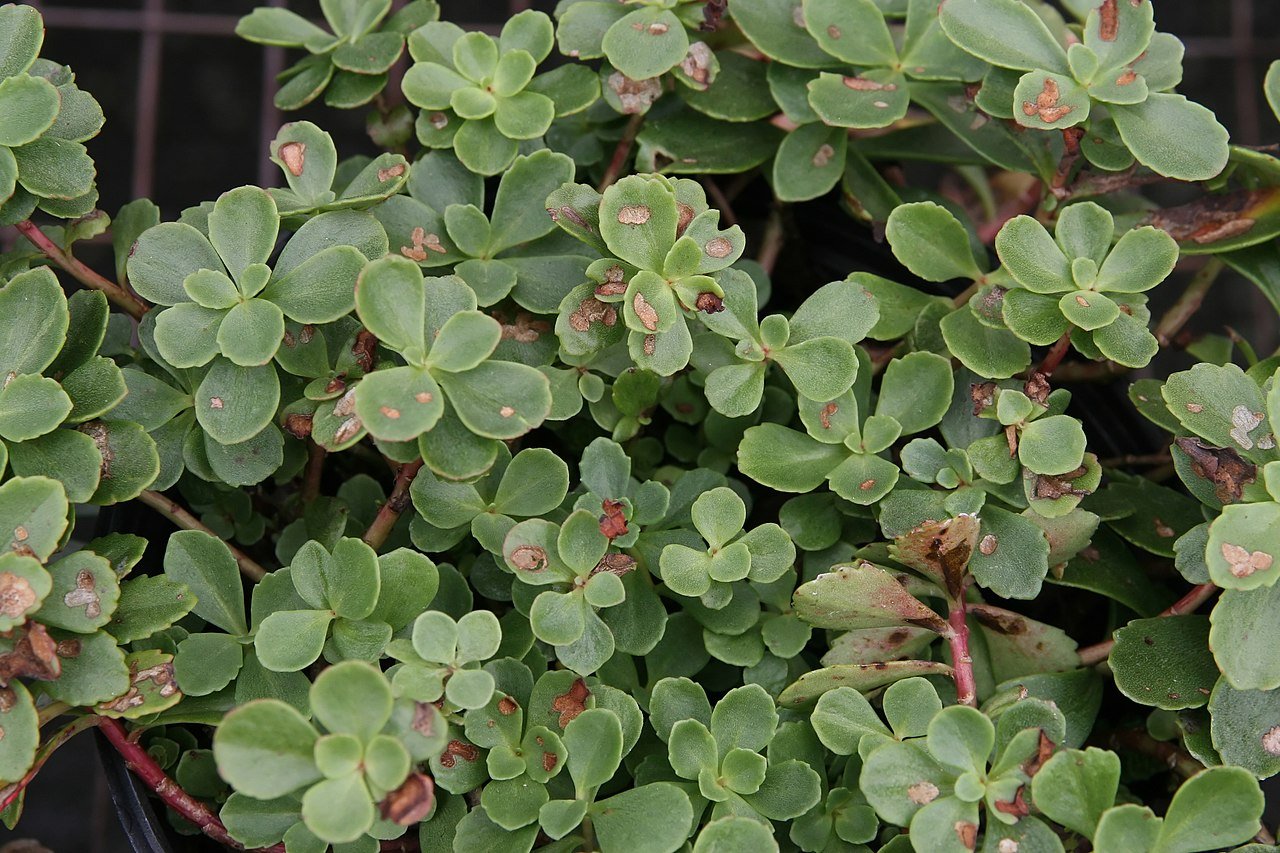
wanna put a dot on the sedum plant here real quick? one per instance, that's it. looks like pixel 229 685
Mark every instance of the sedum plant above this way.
pixel 685 426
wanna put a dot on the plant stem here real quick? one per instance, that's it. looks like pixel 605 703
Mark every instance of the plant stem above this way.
pixel 722 203
pixel 129 303
pixel 965 295
pixel 180 516
pixel 147 770
pixel 1187 604
pixel 315 469
pixel 397 503
pixel 51 712
pixel 1188 303
pixel 771 244
pixel 622 152
pixel 1175 759
pixel 961 660
pixel 11 792
pixel 1055 355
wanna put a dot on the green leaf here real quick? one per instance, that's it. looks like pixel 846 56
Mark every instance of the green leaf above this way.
pixel 290 640
pixel 251 331
pixel 626 820
pixel 961 739
pixel 242 228
pixel 1217 808
pixel 235 403
pixel 319 289
pixel 391 301
pixel 776 27
pixel 990 353
pixel 1165 662
pixel 1141 259
pixel 352 698
pixel 55 168
pixel 594 739
pixel 84 593
pixel 18 718
pixel 205 565
pixel 638 219
pixel 1032 257
pixel 36 322
pixel 148 605
pixel 1128 827
pixel 854 31
pixel 810 162
pixel 69 456
pixel 23 33
pixel 728 834
pixel 338 810
pixel 786 460
pixel 916 391
pixel 1046 101
pixel 1242 550
pixel 931 242
pixel 31 406
pixel 466 339
pixel 98 673
pixel 30 105
pixel 1075 787
pixel 519 214
pixel 1197 152
pixel 534 483
pixel 898 778
pixel 499 399
pixel 1242 722
pixel 861 595
pixel 33 516
pixel 1006 33
pixel 646 43
pixel 1240 639
pixel 264 749
pixel 25 586
pixel 206 663
pixel 874 98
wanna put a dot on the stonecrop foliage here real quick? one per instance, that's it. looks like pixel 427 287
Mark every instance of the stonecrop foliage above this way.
pixel 541 489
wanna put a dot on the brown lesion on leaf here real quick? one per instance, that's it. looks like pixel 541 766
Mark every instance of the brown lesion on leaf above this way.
pixel 507 706
pixel 1044 751
pixel 1214 217
pixel 922 793
pixel 16 595
pixel 650 345
pixel 720 247
pixel 161 675
pixel 1017 807
pixel 506 411
pixel 614 521
pixel 34 655
pixel 390 173
pixel 216 403
pixel 1244 562
pixel 1046 105
pixel 438 120
pixel 298 425
pixel 529 558
pixel 572 702
pixel 85 595
pixel 685 216
pixel 967 832
pixel 942 549
pixel 1037 388
pixel 697 63
pixel 458 749
pixel 592 310
pixel 1054 486
pixel 294 155
pixel 424 719
pixel 634 96
pixel 823 156
pixel 634 214
pixel 983 395
pixel 708 303
pixel 1082 302
pixel 424 397
pixel 615 564
pixel 824 415
pixel 525 329
pixel 862 84
pixel 1221 466
pixel 1108 20
pixel 988 545
pixel 998 620
pixel 645 312
pixel 549 761
pixel 411 802
pixel 101 436
pixel 1244 422
pixel 423 241
pixel 1271 741
pixel 1127 78
pixel 834 32
pixel 389 412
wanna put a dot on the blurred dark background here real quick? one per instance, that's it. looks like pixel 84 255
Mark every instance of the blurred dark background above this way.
pixel 189 115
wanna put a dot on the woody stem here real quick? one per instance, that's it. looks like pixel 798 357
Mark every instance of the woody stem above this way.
pixel 129 303
pixel 621 152
pixel 1188 303
pixel 1187 604
pixel 1055 355
pixel 961 660
pixel 396 504
pixel 148 771
pixel 180 516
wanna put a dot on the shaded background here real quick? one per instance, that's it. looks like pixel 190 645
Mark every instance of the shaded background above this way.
pixel 189 115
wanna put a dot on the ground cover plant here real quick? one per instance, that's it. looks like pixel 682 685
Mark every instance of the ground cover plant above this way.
pixel 526 496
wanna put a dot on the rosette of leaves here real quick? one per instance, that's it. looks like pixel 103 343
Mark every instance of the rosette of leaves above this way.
pixel 1114 80
pixel 814 348
pixel 877 93
pixel 573 558
pixel 480 96
pixel 841 445
pixel 321 781
pixel 347 63
pixel 642 39
pixel 1076 281
pixel 339 606
pixel 591 748
pixel 57 395
pixel 531 484
pixel 318 182
pixel 624 504
pixel 665 256
pixel 510 252
pixel 447 346
pixel 762 554
pixel 443 659
pixel 721 748
pixel 226 301
pixel 43 162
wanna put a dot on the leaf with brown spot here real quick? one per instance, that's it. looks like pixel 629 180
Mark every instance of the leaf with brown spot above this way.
pixel 572 702
pixel 34 655
pixel 411 802
pixel 1223 467
pixel 940 549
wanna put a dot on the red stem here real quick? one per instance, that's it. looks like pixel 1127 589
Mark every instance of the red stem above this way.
pixel 147 770
pixel 10 793
pixel 396 504
pixel 621 153
pixel 117 294
pixel 1055 355
pixel 961 660
pixel 1187 604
